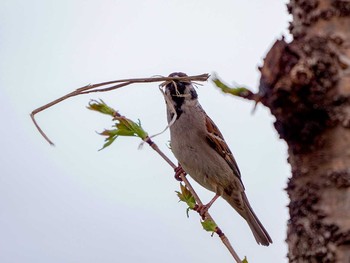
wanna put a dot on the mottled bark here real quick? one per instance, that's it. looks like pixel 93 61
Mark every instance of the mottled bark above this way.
pixel 306 85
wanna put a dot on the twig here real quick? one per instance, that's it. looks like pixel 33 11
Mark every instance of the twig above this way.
pixel 94 88
pixel 218 231
pixel 126 127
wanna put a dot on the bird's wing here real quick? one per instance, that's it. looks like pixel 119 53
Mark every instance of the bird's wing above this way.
pixel 217 142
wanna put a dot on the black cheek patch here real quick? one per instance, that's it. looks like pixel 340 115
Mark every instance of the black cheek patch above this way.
pixel 177 91
pixel 193 94
pixel 178 112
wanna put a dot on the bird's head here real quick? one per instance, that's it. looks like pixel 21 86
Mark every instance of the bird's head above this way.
pixel 180 92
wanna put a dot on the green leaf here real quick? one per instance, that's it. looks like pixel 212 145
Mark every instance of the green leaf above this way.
pixel 209 225
pixel 102 107
pixel 129 128
pixel 123 125
pixel 236 91
pixel 245 260
pixel 112 135
pixel 186 196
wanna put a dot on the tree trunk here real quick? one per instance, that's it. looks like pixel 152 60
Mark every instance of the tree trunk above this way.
pixel 306 85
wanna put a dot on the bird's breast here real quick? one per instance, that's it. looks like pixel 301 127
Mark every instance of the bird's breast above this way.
pixel 198 159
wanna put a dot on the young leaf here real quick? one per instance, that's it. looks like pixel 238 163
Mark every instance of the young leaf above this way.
pixel 186 196
pixel 124 126
pixel 237 91
pixel 209 225
pixel 102 107
pixel 130 128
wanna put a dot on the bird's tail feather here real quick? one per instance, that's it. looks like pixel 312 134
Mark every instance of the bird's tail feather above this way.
pixel 259 232
pixel 246 211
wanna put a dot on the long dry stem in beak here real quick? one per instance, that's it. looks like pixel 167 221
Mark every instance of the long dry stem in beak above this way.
pixel 112 85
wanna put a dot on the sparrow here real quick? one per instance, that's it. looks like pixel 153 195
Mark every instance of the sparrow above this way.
pixel 202 152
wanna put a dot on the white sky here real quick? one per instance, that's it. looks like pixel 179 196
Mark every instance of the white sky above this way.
pixel 72 203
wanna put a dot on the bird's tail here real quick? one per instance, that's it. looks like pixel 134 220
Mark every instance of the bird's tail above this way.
pixel 246 211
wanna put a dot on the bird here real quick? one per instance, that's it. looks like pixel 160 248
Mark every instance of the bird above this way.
pixel 202 152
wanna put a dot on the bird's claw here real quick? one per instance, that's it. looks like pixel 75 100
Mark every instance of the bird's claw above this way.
pixel 202 210
pixel 178 172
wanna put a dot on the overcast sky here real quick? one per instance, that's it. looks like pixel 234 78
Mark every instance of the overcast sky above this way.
pixel 73 203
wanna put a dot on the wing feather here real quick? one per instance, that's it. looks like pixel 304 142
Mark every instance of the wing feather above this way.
pixel 216 140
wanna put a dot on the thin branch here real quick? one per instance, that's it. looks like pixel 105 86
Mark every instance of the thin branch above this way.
pixel 127 127
pixel 94 88
pixel 218 231
pixel 128 124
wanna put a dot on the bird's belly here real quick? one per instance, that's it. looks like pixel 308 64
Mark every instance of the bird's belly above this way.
pixel 204 165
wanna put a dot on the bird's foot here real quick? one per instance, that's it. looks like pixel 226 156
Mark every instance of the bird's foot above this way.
pixel 178 171
pixel 203 209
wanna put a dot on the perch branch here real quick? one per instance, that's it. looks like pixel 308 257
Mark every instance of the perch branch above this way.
pixel 218 231
pixel 126 127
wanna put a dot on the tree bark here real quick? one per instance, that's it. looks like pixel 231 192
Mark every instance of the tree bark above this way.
pixel 306 85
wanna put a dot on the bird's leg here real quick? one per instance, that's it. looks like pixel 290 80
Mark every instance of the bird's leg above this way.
pixel 203 209
pixel 178 171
